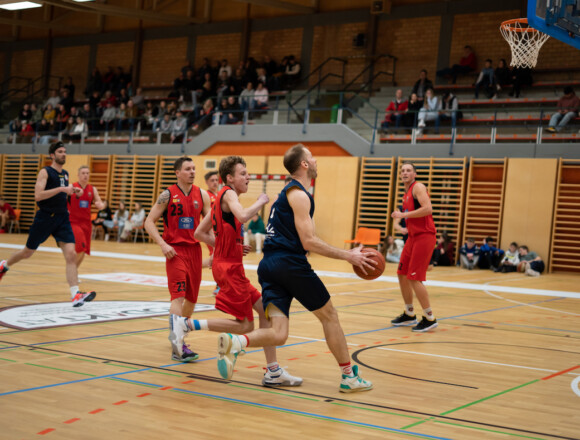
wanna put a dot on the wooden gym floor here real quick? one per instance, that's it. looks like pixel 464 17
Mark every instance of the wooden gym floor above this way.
pixel 504 362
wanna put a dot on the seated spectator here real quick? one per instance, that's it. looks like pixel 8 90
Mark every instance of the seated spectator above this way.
pixel 567 110
pixel 231 114
pixel 469 254
pixel 292 73
pixel 107 98
pixel 44 132
pixel 121 116
pixel 260 97
pixel 450 109
pixel 429 112
pixel 88 115
pixel 139 100
pixel 79 130
pixel 521 76
pixel 503 75
pixel 166 128
pixel 108 118
pixel 50 114
pixel 66 100
pixel 95 102
pixel 26 131
pixel 486 81
pixel 179 128
pixel 225 67
pixel 203 115
pixel 53 100
pixel 443 254
pixel 104 220
pixel 534 265
pixel 37 113
pixel 392 249
pixel 123 97
pixel 132 113
pixel 467 64
pixel 246 99
pixel 6 214
pixel 25 114
pixel 422 85
pixel 62 117
pixel 489 255
pixel 395 111
pixel 510 260
pixel 158 114
pixel 136 221
pixel 119 218
pixel 413 109
pixel 256 231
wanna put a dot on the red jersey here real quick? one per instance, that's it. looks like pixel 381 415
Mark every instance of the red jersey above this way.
pixel 79 208
pixel 418 225
pixel 228 232
pixel 6 207
pixel 182 215
pixel 212 197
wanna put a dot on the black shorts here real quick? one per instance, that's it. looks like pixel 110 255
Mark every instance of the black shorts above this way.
pixel 285 276
pixel 46 224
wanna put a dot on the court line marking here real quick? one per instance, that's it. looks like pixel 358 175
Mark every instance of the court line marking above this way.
pixel 434 283
pixel 575 387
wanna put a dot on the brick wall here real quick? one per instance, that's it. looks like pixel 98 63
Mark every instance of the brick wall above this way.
pixel 114 54
pixel 399 38
pixel 162 60
pixel 277 44
pixel 27 64
pixel 217 47
pixel 72 61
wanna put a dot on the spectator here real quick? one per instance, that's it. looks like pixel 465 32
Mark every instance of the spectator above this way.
pixel 533 264
pixel 225 67
pixel 187 68
pixel 256 231
pixel 179 128
pixel 567 110
pixel 36 113
pixel 120 217
pixel 467 64
pixel 66 100
pixel 203 114
pixel 429 112
pixel 139 99
pixel 392 249
pixel 70 87
pixel 269 66
pixel 108 97
pixel 79 130
pixel 108 117
pixel 88 115
pixel 521 76
pixel 414 106
pixel 95 102
pixel 469 254
pixel 121 116
pixel 123 97
pixel 486 81
pixel 292 72
pixel 450 109
pixel 443 254
pixel 94 83
pixel 132 113
pixel 395 111
pixel 489 255
pixel 136 221
pixel 104 220
pixel 237 80
pixel 260 97
pixel 166 128
pixel 26 130
pixel 246 99
pixel 62 117
pixel 158 114
pixel 422 85
pixel 15 125
pixel 44 132
pixel 503 75
pixel 53 100
pixel 231 113
pixel 6 214
pixel 510 260
pixel 50 114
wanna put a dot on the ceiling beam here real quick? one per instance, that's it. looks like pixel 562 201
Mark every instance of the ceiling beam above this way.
pixel 41 25
pixel 117 11
pixel 281 5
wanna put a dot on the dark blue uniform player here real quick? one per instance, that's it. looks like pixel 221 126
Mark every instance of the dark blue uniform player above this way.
pixel 50 192
pixel 285 274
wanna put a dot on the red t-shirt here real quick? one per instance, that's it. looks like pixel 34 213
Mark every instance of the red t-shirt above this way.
pixel 212 197
pixel 228 232
pixel 7 207
pixel 79 208
pixel 418 225
pixel 182 215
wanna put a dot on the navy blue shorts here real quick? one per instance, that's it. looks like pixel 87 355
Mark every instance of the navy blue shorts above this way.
pixel 284 276
pixel 46 224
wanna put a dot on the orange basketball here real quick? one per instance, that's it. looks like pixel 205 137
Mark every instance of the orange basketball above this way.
pixel 377 271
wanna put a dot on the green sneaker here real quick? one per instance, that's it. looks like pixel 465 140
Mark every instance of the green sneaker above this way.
pixel 229 348
pixel 355 383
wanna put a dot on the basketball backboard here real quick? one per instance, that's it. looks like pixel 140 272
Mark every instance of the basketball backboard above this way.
pixel 558 18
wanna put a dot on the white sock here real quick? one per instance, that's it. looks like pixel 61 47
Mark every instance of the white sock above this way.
pixel 273 367
pixel 197 324
pixel 409 309
pixel 429 314
pixel 73 291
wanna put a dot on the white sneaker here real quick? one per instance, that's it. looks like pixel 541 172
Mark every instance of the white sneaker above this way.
pixel 229 348
pixel 280 378
pixel 532 273
pixel 355 383
pixel 421 123
pixel 177 331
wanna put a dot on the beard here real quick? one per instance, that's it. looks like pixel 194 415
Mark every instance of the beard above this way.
pixel 60 161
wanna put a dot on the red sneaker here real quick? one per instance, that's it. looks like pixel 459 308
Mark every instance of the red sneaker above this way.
pixel 83 297
pixel 3 268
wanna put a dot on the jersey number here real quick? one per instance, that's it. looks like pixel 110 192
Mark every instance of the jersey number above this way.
pixel 176 209
pixel 180 286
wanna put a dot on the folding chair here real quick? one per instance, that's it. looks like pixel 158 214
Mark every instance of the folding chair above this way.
pixel 15 221
pixel 360 234
pixel 371 237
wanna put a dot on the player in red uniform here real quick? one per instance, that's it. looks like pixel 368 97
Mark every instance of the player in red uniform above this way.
pixel 417 252
pixel 79 208
pixel 181 206
pixel 212 181
pixel 237 296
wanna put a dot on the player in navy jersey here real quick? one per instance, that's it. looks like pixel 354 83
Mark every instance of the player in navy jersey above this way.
pixel 417 252
pixel 52 218
pixel 285 274
pixel 181 206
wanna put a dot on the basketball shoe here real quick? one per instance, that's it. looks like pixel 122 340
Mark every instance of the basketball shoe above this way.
pixel 280 378
pixel 3 268
pixel 425 325
pixel 187 356
pixel 229 348
pixel 403 319
pixel 82 297
pixel 177 330
pixel 353 384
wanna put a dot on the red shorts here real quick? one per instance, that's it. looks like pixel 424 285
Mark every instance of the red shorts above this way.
pixel 237 295
pixel 416 256
pixel 82 235
pixel 184 272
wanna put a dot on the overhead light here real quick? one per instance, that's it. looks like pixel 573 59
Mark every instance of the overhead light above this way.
pixel 15 6
pixel 82 1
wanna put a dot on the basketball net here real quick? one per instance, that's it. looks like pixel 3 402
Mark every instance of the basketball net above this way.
pixel 525 41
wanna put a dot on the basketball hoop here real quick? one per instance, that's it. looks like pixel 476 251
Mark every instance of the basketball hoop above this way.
pixel 525 41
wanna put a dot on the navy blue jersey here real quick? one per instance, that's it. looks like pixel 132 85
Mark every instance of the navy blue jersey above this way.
pixel 281 233
pixel 56 204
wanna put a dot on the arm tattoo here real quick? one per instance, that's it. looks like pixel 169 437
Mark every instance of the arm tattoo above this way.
pixel 163 198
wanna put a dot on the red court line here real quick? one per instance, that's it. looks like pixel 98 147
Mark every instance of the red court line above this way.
pixel 68 422
pixel 121 402
pixel 46 431
pixel 561 372
pixel 95 411
pixel 146 394
pixel 165 388
pixel 187 381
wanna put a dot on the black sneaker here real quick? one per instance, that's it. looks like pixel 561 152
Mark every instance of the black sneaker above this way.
pixel 425 325
pixel 404 319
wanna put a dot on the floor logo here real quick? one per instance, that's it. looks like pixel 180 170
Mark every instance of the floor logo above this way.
pixel 36 316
